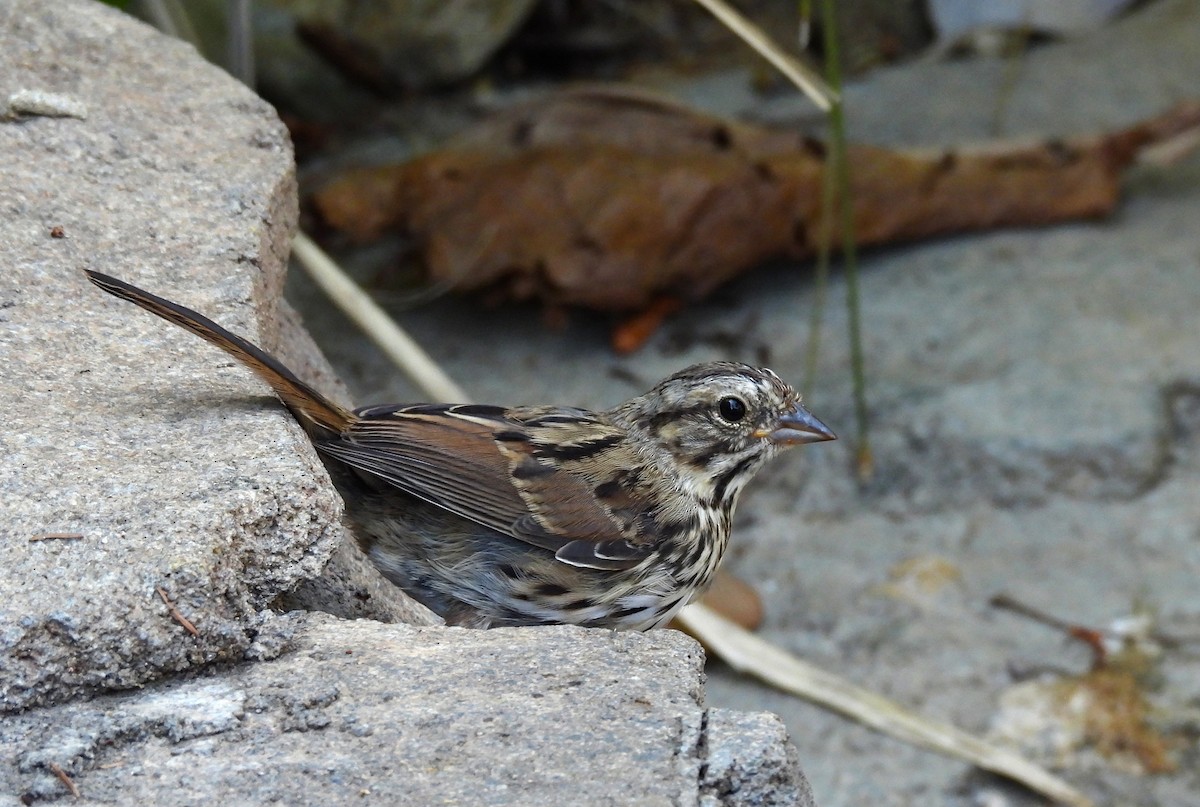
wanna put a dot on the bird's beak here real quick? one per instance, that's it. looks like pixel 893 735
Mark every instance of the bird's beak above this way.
pixel 797 427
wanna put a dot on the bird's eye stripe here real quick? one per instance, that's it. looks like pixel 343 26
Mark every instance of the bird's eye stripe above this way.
pixel 660 419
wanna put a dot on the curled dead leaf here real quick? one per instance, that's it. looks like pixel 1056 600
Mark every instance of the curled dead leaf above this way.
pixel 612 200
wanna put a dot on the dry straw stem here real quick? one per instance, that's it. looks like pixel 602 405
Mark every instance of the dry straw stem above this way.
pixel 57 536
pixel 68 783
pixel 800 74
pixel 747 653
pixel 175 612
pixel 171 17
pixel 404 352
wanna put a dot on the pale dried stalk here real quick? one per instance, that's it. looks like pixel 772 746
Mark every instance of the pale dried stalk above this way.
pixel 800 74
pixel 404 352
pixel 747 653
pixel 171 17
pixel 1171 150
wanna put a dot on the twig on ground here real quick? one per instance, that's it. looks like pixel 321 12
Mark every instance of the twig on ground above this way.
pixel 57 770
pixel 750 654
pixel 174 612
pixel 808 80
pixel 1091 637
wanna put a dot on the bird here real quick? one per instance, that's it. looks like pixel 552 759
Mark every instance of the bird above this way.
pixel 495 516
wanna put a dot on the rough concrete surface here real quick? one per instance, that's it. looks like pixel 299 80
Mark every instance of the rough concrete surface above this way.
pixel 103 441
pixel 359 711
pixel 1028 392
pixel 136 458
pixel 166 459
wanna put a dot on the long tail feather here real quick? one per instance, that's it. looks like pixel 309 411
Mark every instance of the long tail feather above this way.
pixel 310 408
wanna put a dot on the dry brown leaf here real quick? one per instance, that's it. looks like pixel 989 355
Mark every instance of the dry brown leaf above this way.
pixel 612 200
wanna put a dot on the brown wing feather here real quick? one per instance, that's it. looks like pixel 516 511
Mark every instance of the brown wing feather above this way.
pixel 451 462
pixel 481 465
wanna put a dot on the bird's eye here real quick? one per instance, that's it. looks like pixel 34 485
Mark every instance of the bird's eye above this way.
pixel 731 409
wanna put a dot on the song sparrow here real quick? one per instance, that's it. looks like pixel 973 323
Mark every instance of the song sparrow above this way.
pixel 530 515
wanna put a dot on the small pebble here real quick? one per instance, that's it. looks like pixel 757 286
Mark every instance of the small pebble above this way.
pixel 45 104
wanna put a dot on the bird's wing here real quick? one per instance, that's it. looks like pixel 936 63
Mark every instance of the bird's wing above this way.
pixel 510 471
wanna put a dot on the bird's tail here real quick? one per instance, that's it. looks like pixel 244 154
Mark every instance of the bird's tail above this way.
pixel 316 413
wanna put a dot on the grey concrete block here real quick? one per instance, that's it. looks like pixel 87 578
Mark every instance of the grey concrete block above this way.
pixel 401 715
pixel 750 762
pixel 171 463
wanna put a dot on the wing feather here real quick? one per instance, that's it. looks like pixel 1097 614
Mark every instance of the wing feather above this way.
pixel 483 464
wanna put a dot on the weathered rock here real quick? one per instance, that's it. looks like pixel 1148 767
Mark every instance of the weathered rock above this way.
pixel 169 463
pixel 748 761
pixel 404 715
